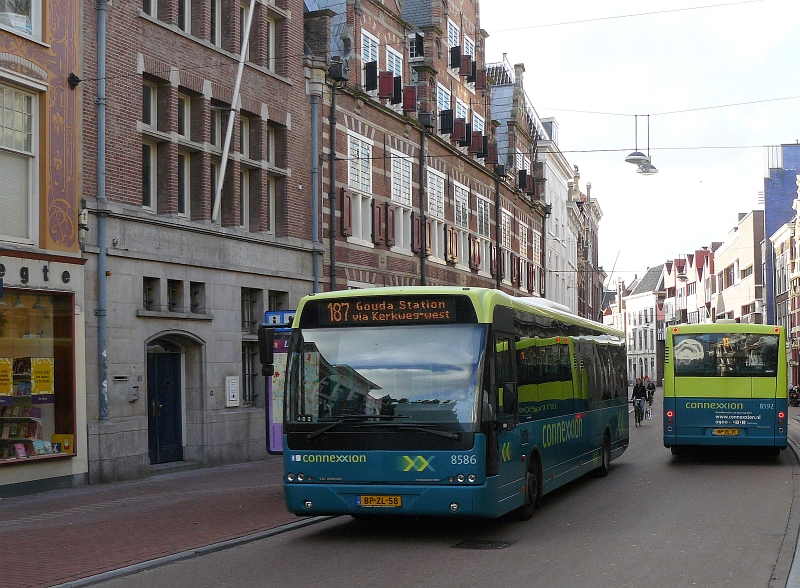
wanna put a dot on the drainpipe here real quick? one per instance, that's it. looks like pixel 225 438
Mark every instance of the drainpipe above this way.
pixel 232 118
pixel 316 244
pixel 332 189
pixel 100 311
pixel 423 233
pixel 497 218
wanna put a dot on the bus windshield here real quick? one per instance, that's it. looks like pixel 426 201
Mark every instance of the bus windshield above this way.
pixel 405 375
pixel 726 355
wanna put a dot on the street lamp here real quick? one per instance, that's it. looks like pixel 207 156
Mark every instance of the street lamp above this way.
pixel 638 158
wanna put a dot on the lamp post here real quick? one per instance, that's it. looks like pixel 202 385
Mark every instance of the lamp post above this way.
pixel 638 158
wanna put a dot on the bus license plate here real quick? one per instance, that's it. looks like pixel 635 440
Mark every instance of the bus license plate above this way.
pixel 373 501
pixel 726 432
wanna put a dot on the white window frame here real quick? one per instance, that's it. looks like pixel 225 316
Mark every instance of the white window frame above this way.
pixel 436 195
pixel 153 185
pixel 153 110
pixel 469 47
pixel 244 11
pixel 185 190
pixel 402 229
pixel 215 23
pixel 29 154
pixel 438 240
pixel 523 226
pixel 483 207
pixel 359 179
pixel 485 266
pixel 443 98
pixel 150 8
pixel 184 116
pixel 32 25
pixel 461 205
pixel 244 198
pixel 401 178
pixel 478 123
pixel 519 160
pixel 453 34
pixel 369 52
pixel 270 188
pixel 394 61
pixel 269 145
pixel 244 136
pixel 215 128
pixel 185 12
pixel 536 247
pixel 271 46
pixel 461 109
pixel 506 220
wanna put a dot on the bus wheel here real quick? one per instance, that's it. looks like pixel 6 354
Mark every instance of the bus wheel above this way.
pixel 533 493
pixel 605 457
pixel 675 450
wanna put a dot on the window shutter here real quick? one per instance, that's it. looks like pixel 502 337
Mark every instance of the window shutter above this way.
pixel 459 130
pixel 419 45
pixel 522 179
pixel 446 121
pixel 347 219
pixel 428 248
pixel 371 76
pixel 467 136
pixel 386 83
pixel 466 65
pixel 531 276
pixel 480 79
pixel 397 93
pixel 455 57
pixel 473 72
pixel 454 247
pixel 493 260
pixel 530 189
pixel 484 147
pixel 473 250
pixel 476 145
pixel 491 154
pixel 515 269
pixel 416 233
pixel 378 234
pixel 541 281
pixel 389 216
pixel 410 99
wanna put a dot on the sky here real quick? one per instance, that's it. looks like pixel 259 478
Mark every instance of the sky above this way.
pixel 691 65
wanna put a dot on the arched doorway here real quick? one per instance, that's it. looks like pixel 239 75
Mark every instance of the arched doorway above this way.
pixel 164 401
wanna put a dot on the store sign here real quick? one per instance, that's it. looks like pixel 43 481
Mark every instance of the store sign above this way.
pixel 23 272
pixel 6 376
pixel 375 311
pixel 42 375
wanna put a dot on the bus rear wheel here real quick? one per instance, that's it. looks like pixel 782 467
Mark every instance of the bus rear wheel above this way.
pixel 533 494
pixel 605 457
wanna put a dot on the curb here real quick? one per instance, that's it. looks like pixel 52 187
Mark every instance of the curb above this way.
pixel 786 573
pixel 184 555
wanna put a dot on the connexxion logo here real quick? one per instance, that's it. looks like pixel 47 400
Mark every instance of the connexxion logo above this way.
pixel 716 405
pixel 417 463
pixel 329 458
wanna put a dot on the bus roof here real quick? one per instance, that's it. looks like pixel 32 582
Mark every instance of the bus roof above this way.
pixel 483 299
pixel 724 328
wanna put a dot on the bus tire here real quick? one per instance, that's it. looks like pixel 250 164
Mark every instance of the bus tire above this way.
pixel 675 450
pixel 533 489
pixel 605 457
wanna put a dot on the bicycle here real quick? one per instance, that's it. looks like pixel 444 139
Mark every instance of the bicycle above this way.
pixel 638 411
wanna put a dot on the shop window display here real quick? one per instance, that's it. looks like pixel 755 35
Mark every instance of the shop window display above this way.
pixel 37 379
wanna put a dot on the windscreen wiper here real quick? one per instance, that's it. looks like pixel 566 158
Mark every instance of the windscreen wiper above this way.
pixel 427 428
pixel 348 419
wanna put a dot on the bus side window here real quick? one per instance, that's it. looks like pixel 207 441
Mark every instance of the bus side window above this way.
pixel 502 365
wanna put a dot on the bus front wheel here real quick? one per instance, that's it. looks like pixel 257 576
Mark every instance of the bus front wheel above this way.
pixel 533 489
pixel 605 457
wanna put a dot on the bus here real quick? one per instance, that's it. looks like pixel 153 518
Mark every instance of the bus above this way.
pixel 446 401
pixel 725 384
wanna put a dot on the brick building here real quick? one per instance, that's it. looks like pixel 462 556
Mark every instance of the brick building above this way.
pixel 189 277
pixel 43 442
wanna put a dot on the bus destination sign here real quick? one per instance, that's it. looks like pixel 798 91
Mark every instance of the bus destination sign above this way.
pixel 390 310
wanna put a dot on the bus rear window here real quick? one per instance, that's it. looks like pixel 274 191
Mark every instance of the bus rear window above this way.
pixel 726 355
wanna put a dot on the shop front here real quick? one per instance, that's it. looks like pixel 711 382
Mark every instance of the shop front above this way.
pixel 42 374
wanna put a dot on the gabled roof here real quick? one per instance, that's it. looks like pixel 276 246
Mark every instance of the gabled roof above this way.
pixel 650 282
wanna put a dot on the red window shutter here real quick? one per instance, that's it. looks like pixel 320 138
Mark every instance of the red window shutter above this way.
pixel 448 240
pixel 476 145
pixel 473 250
pixel 530 188
pixel 531 276
pixel 480 79
pixel 386 84
pixel 389 216
pixel 347 219
pixel 502 264
pixel 428 248
pixel 410 99
pixel 466 65
pixel 491 154
pixel 416 233
pixel 459 129
pixel 378 234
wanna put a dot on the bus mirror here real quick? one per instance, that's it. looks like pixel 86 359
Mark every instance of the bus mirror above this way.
pixel 510 398
pixel 266 345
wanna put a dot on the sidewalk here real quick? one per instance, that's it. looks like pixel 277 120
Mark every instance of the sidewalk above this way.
pixel 55 537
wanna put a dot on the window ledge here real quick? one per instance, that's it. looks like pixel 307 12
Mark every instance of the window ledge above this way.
pixel 160 314
pixel 362 242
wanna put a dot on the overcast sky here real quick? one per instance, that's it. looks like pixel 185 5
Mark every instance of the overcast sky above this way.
pixel 623 62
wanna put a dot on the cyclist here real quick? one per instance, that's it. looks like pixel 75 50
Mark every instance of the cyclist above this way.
pixel 639 397
pixel 651 391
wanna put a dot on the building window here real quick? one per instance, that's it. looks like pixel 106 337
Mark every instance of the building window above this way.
pixel 369 53
pixel 277 300
pixel 150 7
pixel 174 295
pixel 184 173
pixel 18 152
pixel 477 122
pixel 197 297
pixel 506 221
pixel 251 298
pixel 416 47
pixel 469 46
pixel 401 179
pixel 185 15
pixel 244 199
pixel 360 167
pixel 452 33
pixel 215 127
pixel 483 217
pixel 442 97
pixel 214 176
pixel 394 62
pixel 244 12
pixel 37 352
pixel 244 136
pixel 269 145
pixel 22 16
pixel 269 45
pixel 149 105
pixel 461 203
pixel 435 194
pixel 215 33
pixel 461 109
pixel 151 294
pixel 149 152
pixel 250 370
pixel 184 115
pixel 522 224
pixel 748 271
pixel 269 194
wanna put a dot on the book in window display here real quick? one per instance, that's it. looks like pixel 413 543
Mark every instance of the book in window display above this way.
pixel 19 449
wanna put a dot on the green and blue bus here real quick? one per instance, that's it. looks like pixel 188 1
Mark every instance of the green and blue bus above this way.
pixel 446 401
pixel 725 384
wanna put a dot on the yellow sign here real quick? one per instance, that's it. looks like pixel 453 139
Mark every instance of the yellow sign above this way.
pixel 505 451
pixel 6 376
pixel 42 375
